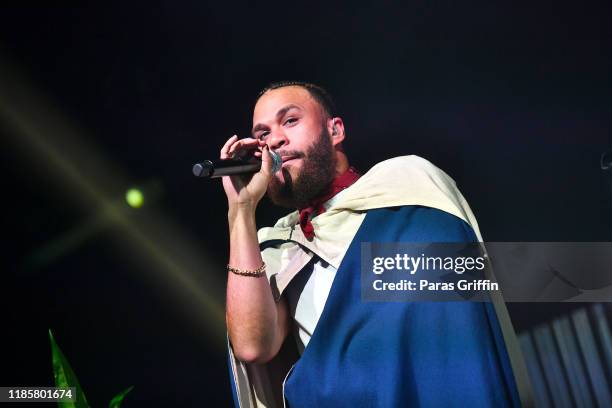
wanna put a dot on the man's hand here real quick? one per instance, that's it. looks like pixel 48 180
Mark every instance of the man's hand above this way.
pixel 246 190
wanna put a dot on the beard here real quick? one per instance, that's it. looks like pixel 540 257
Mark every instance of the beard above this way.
pixel 314 178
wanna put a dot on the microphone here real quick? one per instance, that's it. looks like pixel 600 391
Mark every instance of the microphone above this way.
pixel 219 168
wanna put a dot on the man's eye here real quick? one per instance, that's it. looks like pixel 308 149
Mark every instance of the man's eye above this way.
pixel 290 121
pixel 263 135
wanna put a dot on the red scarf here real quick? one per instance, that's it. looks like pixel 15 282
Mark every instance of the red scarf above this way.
pixel 316 206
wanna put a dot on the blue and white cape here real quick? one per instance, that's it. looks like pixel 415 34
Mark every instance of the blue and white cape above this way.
pixel 374 354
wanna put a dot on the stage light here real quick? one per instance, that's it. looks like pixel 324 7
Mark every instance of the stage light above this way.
pixel 134 198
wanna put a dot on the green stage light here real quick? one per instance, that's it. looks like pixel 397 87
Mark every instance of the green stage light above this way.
pixel 134 198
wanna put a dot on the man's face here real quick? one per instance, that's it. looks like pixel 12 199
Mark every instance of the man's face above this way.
pixel 293 124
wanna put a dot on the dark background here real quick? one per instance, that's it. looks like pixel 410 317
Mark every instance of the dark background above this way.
pixel 512 99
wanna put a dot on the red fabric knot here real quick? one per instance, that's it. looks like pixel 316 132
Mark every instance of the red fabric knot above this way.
pixel 316 206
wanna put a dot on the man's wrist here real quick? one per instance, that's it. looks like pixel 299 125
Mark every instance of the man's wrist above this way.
pixel 244 211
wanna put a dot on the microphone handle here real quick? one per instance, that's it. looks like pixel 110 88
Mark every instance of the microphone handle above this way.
pixel 220 168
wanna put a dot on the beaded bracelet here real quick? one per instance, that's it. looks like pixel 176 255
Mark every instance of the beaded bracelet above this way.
pixel 261 271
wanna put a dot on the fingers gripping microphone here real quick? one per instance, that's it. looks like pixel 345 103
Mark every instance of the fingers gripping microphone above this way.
pixel 219 168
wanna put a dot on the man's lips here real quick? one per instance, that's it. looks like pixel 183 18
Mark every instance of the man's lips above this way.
pixel 288 158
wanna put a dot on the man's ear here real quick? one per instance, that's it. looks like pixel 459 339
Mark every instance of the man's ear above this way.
pixel 335 126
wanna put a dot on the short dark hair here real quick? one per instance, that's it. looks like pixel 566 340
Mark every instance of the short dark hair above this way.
pixel 317 92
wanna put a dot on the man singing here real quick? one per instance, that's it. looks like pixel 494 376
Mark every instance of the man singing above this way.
pixel 297 285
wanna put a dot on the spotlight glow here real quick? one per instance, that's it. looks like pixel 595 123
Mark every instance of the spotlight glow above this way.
pixel 134 198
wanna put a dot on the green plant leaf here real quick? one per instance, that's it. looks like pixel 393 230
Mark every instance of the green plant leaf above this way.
pixel 116 402
pixel 65 377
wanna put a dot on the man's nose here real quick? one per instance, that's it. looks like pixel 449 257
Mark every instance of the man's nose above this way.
pixel 277 139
